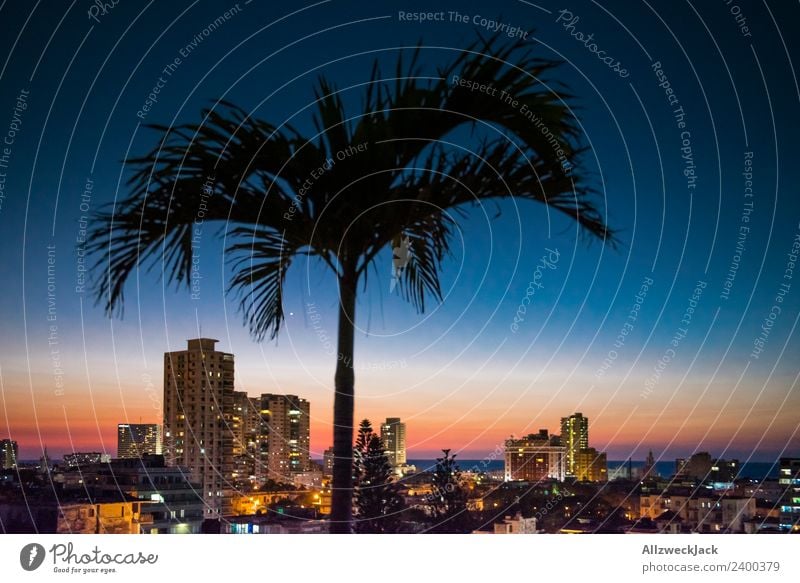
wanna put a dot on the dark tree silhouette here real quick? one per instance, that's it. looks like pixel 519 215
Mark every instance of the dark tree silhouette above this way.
pixel 378 502
pixel 448 498
pixel 365 433
pixel 394 174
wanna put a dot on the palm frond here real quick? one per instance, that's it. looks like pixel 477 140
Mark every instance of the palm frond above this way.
pixel 430 244
pixel 403 173
pixel 230 168
pixel 261 260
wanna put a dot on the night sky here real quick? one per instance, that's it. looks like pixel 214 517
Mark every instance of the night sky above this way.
pixel 697 180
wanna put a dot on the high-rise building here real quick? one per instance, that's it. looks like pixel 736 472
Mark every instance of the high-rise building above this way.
pixel 8 454
pixel 538 456
pixel 137 439
pixel 724 471
pixel 198 412
pixel 649 470
pixel 393 435
pixel 45 463
pixel 574 437
pixel 789 482
pixel 286 420
pixel 697 467
pixel 249 461
pixel 327 462
pixel 591 465
pixel 247 419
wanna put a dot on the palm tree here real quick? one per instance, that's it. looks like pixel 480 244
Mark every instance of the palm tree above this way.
pixel 345 194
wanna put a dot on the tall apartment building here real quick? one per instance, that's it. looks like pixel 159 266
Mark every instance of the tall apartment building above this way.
pixel 697 467
pixel 286 420
pixel 538 456
pixel 327 462
pixel 198 414
pixel 250 459
pixel 789 482
pixel 393 435
pixel 8 454
pixel 248 412
pixel 574 437
pixel 649 470
pixel 137 439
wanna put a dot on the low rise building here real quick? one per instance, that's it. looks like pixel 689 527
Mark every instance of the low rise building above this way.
pixel 262 524
pixel 699 510
pixel 176 504
pixel 72 513
pixel 516 525
pixel 80 459
pixel 257 502
pixel 104 517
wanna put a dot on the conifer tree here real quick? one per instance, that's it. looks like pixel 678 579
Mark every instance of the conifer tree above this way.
pixel 377 500
pixel 449 512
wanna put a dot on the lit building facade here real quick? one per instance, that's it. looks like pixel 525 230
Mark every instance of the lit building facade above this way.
pixel 724 471
pixel 81 459
pixel 250 458
pixel 137 439
pixel 393 435
pixel 8 454
pixel 198 414
pixel 516 525
pixel 247 410
pixel 538 456
pixel 106 517
pixel 574 437
pixel 286 420
pixel 327 462
pixel 174 504
pixel 591 465
pixel 789 482
pixel 699 511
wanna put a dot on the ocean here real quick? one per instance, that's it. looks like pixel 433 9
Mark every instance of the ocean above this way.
pixel 753 470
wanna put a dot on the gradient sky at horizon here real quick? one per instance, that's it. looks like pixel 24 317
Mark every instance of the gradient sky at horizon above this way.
pixel 457 375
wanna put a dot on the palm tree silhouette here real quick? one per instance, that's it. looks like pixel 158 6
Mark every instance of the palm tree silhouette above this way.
pixel 345 194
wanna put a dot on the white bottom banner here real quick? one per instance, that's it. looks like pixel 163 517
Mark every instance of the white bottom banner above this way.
pixel 390 558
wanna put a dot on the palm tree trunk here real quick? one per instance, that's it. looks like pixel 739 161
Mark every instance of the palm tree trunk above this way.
pixel 343 402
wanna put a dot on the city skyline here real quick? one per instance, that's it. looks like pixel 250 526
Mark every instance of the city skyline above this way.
pixel 30 450
pixel 574 434
pixel 528 424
